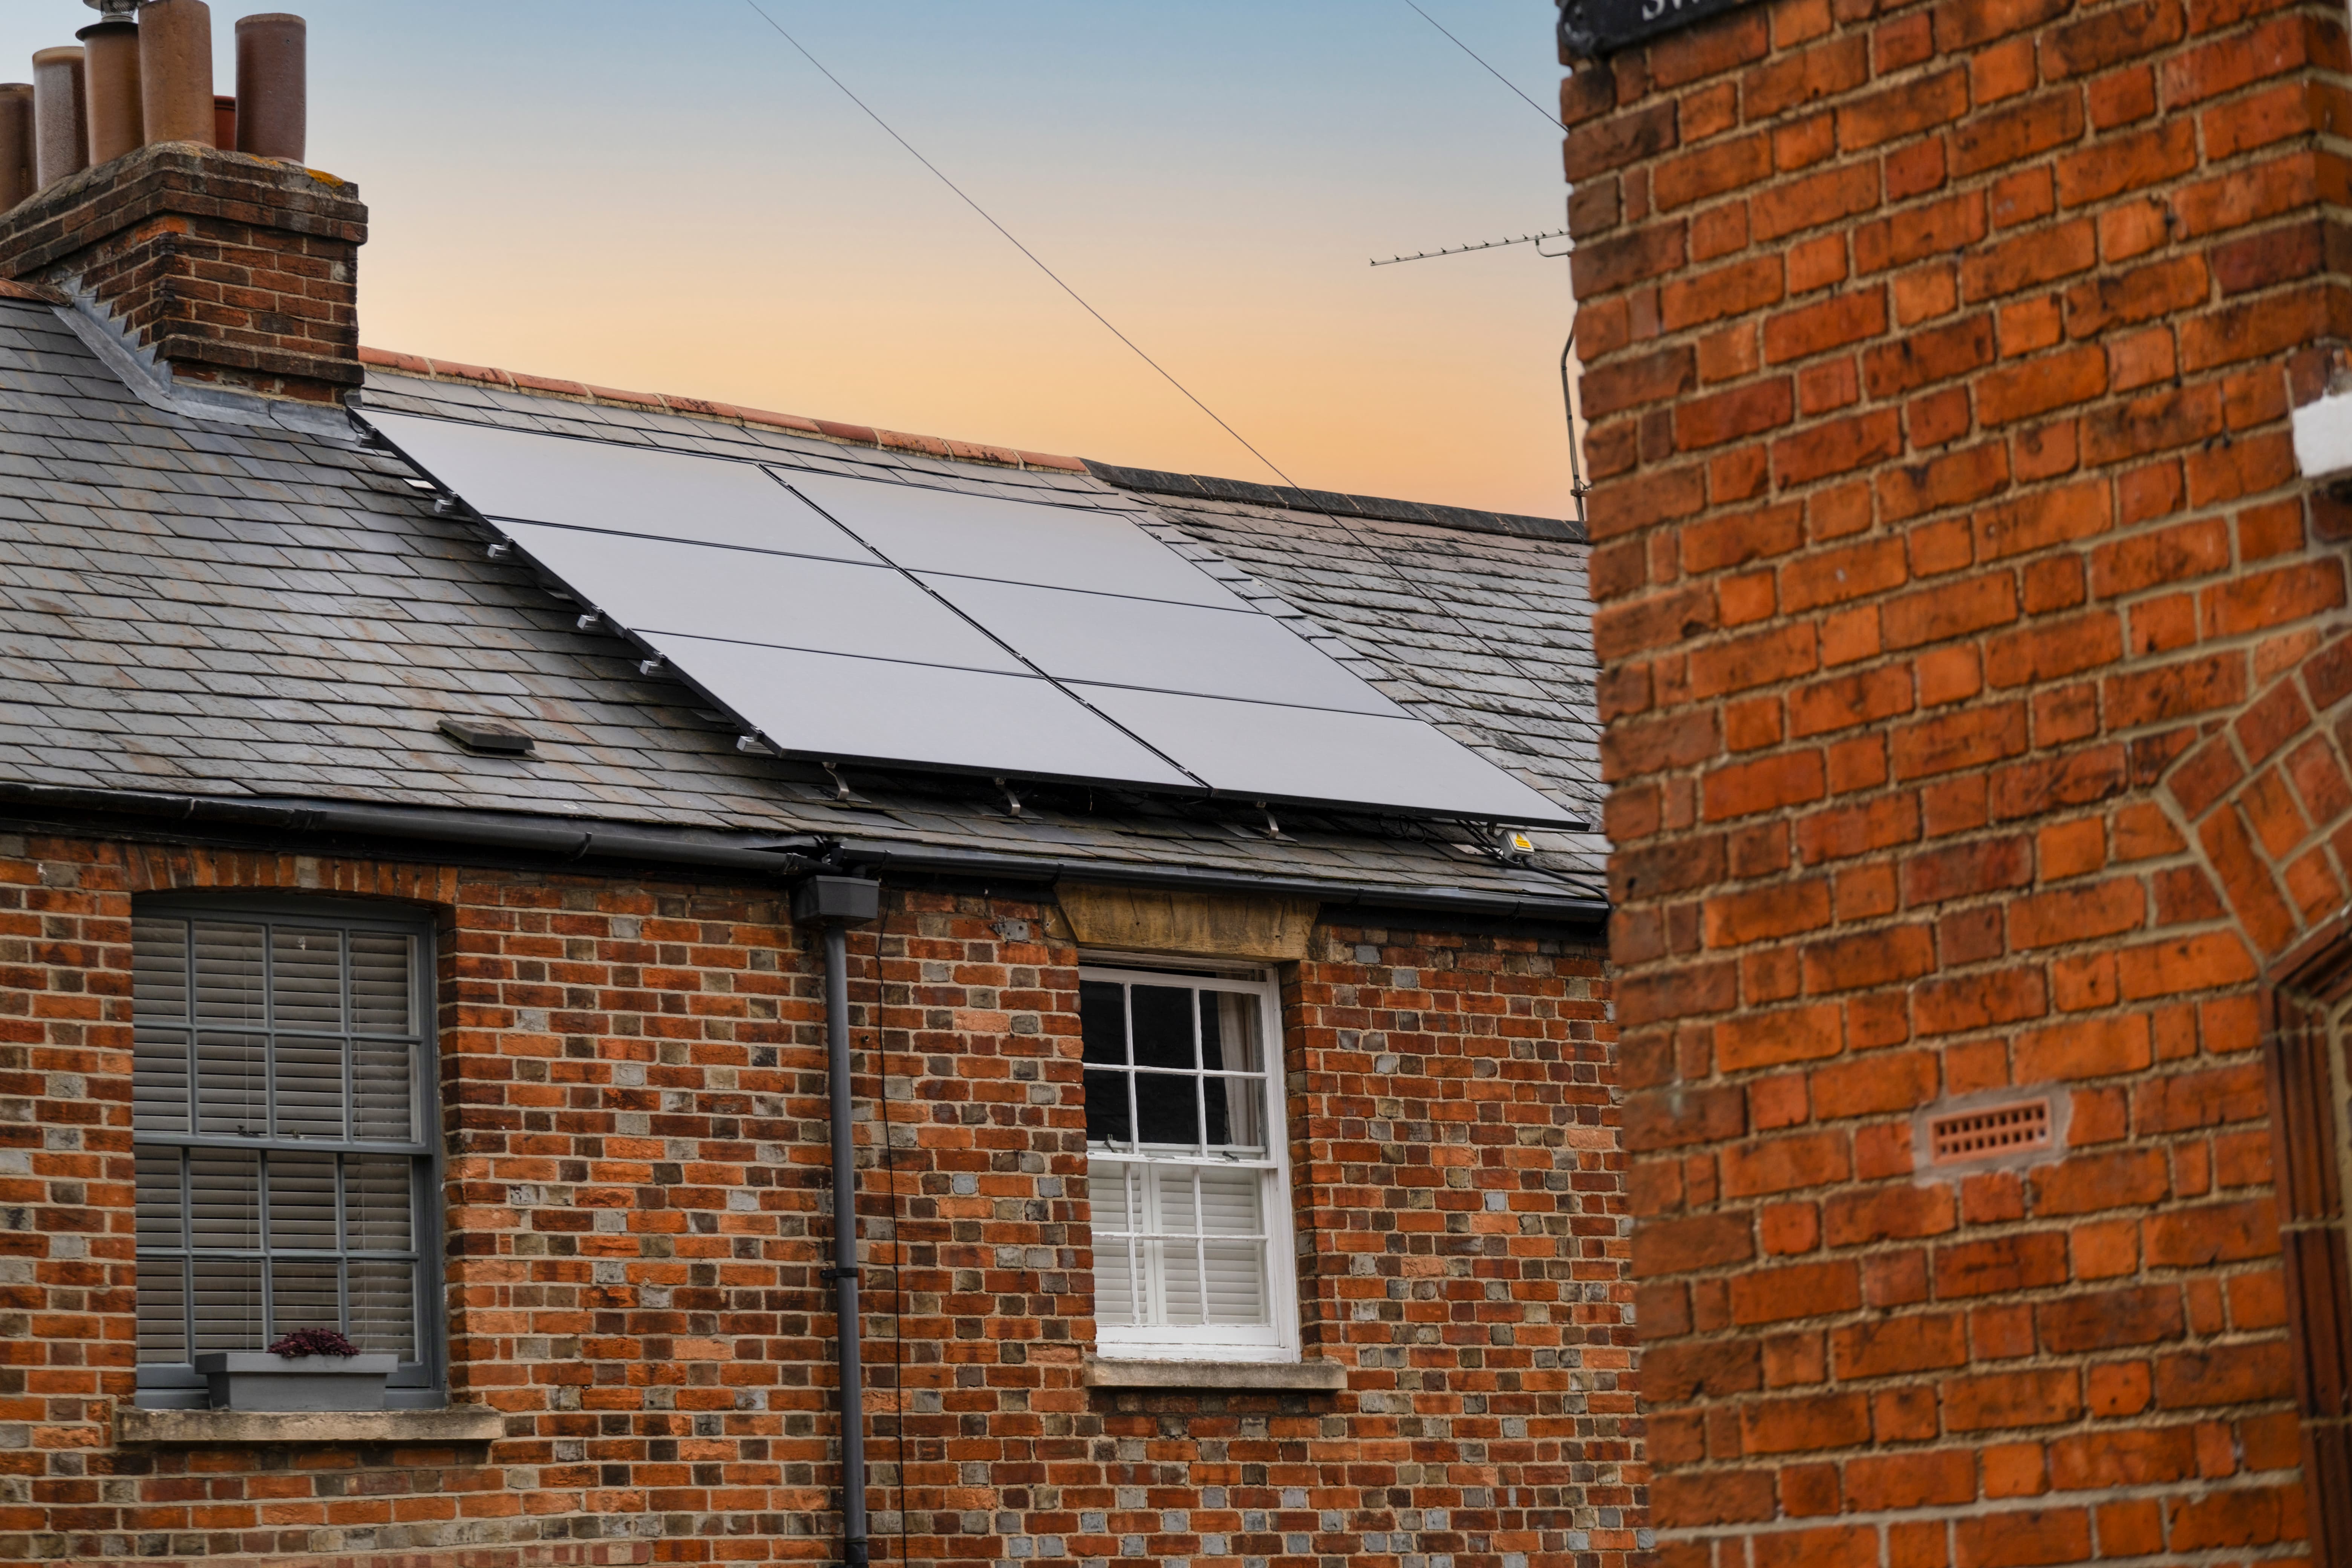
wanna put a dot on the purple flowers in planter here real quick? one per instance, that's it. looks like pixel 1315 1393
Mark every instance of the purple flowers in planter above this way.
pixel 312 1341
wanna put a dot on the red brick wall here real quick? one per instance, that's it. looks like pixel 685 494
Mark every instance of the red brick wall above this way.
pixel 1971 690
pixel 634 1084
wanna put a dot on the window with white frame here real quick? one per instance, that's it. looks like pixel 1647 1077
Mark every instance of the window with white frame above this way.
pixel 281 1123
pixel 1186 1164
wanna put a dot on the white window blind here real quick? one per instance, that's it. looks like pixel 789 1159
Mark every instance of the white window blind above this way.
pixel 280 1132
pixel 1185 1165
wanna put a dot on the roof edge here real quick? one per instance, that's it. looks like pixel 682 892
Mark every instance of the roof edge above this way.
pixel 1334 503
pixel 1145 481
pixel 705 408
pixel 571 841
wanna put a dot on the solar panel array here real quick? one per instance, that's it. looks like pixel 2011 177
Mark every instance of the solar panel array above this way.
pixel 863 620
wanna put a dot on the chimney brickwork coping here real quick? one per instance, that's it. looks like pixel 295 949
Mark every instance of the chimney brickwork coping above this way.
pixel 233 269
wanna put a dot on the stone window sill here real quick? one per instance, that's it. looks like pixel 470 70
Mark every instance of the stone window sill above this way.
pixel 1291 1376
pixel 459 1424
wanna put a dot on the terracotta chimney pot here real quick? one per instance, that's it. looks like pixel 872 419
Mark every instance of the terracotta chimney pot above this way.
pixel 224 121
pixel 110 89
pixel 175 71
pixel 272 94
pixel 60 117
pixel 16 142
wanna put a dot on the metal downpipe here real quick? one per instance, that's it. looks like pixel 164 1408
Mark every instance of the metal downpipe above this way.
pixel 838 903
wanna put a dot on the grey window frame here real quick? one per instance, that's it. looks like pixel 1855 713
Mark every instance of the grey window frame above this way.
pixel 421 1383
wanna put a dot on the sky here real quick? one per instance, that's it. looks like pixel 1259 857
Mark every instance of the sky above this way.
pixel 664 196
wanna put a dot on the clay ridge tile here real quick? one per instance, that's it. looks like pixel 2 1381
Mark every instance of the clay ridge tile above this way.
pixel 705 408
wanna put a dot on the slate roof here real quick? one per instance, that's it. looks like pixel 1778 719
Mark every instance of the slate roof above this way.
pixel 201 608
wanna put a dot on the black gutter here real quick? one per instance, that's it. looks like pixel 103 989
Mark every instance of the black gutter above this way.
pixel 795 856
pixel 474 829
pixel 1565 909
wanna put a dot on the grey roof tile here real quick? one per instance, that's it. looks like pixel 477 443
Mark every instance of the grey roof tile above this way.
pixel 224 609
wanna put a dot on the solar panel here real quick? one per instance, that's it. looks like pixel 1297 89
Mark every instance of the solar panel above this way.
pixel 879 622
pixel 842 710
pixel 980 536
pixel 1264 750
pixel 628 490
pixel 1150 643
pixel 747 595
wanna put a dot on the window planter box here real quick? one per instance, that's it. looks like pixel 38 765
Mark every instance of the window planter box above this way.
pixel 255 1380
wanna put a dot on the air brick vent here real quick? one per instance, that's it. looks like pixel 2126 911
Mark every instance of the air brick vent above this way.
pixel 1996 1130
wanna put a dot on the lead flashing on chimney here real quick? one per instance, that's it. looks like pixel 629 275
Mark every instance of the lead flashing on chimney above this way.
pixel 150 381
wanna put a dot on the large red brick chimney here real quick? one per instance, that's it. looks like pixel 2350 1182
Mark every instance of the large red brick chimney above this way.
pixel 220 267
pixel 1969 536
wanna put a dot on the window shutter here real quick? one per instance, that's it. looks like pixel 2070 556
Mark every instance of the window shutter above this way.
pixel 383 1307
pixel 306 984
pixel 295 1038
pixel 1234 1271
pixel 162 1310
pixel 159 999
pixel 1109 1190
pixel 384 980
pixel 302 1202
pixel 227 1303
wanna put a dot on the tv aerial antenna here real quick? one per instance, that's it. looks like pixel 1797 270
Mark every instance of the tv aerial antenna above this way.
pixel 1534 239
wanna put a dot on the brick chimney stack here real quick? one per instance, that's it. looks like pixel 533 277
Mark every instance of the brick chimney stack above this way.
pixel 230 269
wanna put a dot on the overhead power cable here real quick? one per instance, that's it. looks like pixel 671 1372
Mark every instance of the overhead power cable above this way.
pixel 1490 70
pixel 963 196
pixel 1305 502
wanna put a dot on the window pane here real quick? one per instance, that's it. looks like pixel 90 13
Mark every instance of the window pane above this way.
pixel 1229 1032
pixel 159 1079
pixel 228 974
pixel 383 982
pixel 159 968
pixel 1109 1190
pixel 306 978
pixel 1102 1020
pixel 228 1304
pixel 232 1085
pixel 304 1294
pixel 162 1310
pixel 1163 1027
pixel 377 1193
pixel 1236 1281
pixel 159 1201
pixel 1229 1202
pixel 302 1203
pixel 382 1091
pixel 1106 1119
pixel 224 1199
pixel 1179 1262
pixel 309 1088
pixel 1236 1108
pixel 1168 1108
pixel 384 1308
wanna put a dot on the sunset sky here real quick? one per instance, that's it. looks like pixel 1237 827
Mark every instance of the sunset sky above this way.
pixel 664 196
